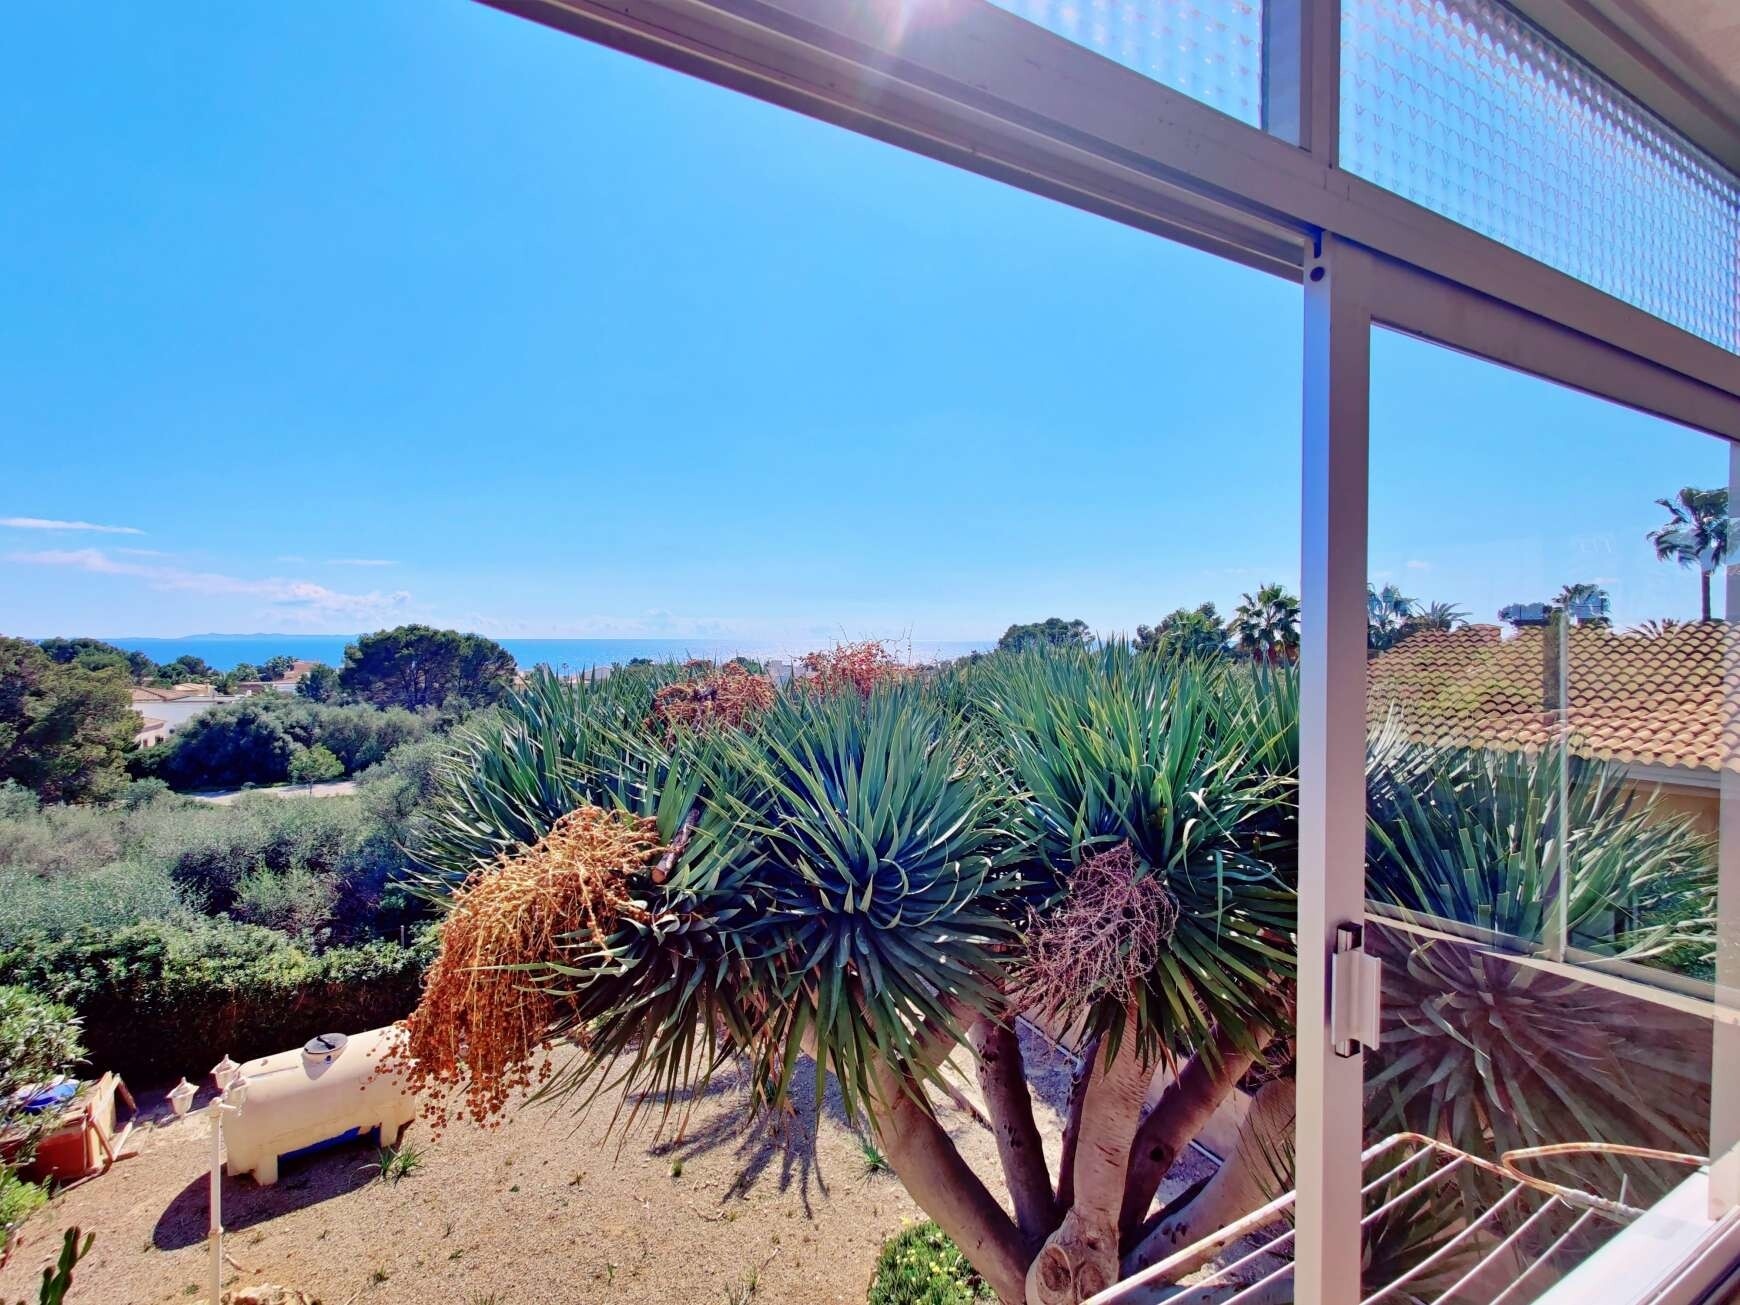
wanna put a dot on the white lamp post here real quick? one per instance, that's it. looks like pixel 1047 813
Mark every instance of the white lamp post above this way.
pixel 234 1089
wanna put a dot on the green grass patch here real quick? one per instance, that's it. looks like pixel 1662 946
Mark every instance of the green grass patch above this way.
pixel 921 1266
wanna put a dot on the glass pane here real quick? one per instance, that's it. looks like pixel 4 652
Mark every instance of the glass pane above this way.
pixel 1211 51
pixel 1545 720
pixel 1464 107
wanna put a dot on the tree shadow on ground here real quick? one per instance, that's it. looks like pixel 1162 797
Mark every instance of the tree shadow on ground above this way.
pixel 773 1147
pixel 301 1183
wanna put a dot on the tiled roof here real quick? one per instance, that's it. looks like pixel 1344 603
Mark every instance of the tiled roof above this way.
pixel 162 695
pixel 1634 697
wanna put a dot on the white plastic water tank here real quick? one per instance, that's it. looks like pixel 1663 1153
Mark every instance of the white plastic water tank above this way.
pixel 328 1092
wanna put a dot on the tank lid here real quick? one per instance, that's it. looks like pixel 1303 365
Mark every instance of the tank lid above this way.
pixel 325 1046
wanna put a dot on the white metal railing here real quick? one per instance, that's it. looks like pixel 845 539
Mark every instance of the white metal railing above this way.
pixel 1510 1264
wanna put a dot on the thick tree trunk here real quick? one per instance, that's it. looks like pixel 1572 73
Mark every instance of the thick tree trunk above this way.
pixel 1704 576
pixel 1185 1106
pixel 1247 1179
pixel 1081 1257
pixel 1084 1070
pixel 945 1187
pixel 1003 1081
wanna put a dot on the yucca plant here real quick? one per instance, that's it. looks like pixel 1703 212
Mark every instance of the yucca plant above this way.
pixel 1102 842
pixel 1492 1052
pixel 861 879
pixel 1477 836
pixel 1193 766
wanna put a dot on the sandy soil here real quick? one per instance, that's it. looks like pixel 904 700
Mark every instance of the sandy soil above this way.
pixel 545 1208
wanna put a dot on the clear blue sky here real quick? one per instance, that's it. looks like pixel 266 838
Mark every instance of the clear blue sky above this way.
pixel 369 310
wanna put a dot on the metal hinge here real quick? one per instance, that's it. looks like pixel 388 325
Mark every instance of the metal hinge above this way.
pixel 1355 993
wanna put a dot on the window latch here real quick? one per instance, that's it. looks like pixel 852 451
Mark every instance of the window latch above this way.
pixel 1355 993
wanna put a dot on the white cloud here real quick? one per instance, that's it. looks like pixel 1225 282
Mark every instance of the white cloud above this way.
pixel 144 552
pixel 360 561
pixel 297 600
pixel 45 523
pixel 1419 566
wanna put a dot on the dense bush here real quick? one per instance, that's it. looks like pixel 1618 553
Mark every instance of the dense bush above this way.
pixel 54 839
pixel 323 869
pixel 254 741
pixel 18 1200
pixel 160 1000
pixel 333 838
pixel 225 747
pixel 107 897
pixel 921 1266
pixel 360 736
pixel 39 1040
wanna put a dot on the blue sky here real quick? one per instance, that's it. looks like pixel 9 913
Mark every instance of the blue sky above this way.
pixel 372 311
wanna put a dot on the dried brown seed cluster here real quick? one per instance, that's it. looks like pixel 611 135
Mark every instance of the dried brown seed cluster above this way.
pixel 728 696
pixel 857 666
pixel 481 1019
pixel 1104 939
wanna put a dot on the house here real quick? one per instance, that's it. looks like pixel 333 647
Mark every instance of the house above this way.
pixel 167 710
pixel 1651 701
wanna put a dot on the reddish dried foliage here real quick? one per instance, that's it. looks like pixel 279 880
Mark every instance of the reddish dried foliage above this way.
pixel 729 696
pixel 857 666
pixel 1104 939
pixel 480 1024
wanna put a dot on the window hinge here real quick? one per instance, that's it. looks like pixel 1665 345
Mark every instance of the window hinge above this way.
pixel 1355 993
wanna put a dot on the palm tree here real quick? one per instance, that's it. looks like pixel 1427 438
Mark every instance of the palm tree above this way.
pixel 1584 597
pixel 1437 616
pixel 1696 534
pixel 1387 616
pixel 1265 625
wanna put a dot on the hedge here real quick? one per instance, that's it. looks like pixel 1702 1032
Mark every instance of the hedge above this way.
pixel 160 1000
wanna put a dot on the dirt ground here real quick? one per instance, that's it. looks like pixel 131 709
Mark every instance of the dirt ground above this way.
pixel 545 1208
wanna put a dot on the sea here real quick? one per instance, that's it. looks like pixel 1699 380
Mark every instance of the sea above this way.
pixel 224 651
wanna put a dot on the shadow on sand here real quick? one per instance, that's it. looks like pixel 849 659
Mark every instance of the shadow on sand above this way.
pixel 301 1183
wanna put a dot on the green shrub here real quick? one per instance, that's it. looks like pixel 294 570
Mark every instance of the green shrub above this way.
pixel 209 850
pixel 230 745
pixel 160 1000
pixel 107 898
pixel 39 1040
pixel 295 901
pixel 254 741
pixel 315 765
pixel 363 736
pixel 155 854
pixel 55 839
pixel 18 1200
pixel 921 1266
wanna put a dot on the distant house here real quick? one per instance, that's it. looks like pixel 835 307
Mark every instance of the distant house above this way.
pixel 169 709
pixel 292 678
pixel 151 731
pixel 1652 702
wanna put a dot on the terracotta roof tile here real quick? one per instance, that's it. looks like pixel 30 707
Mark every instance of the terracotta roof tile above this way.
pixel 1649 698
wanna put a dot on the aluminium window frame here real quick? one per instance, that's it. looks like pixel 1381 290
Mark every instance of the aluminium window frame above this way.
pixel 973 85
